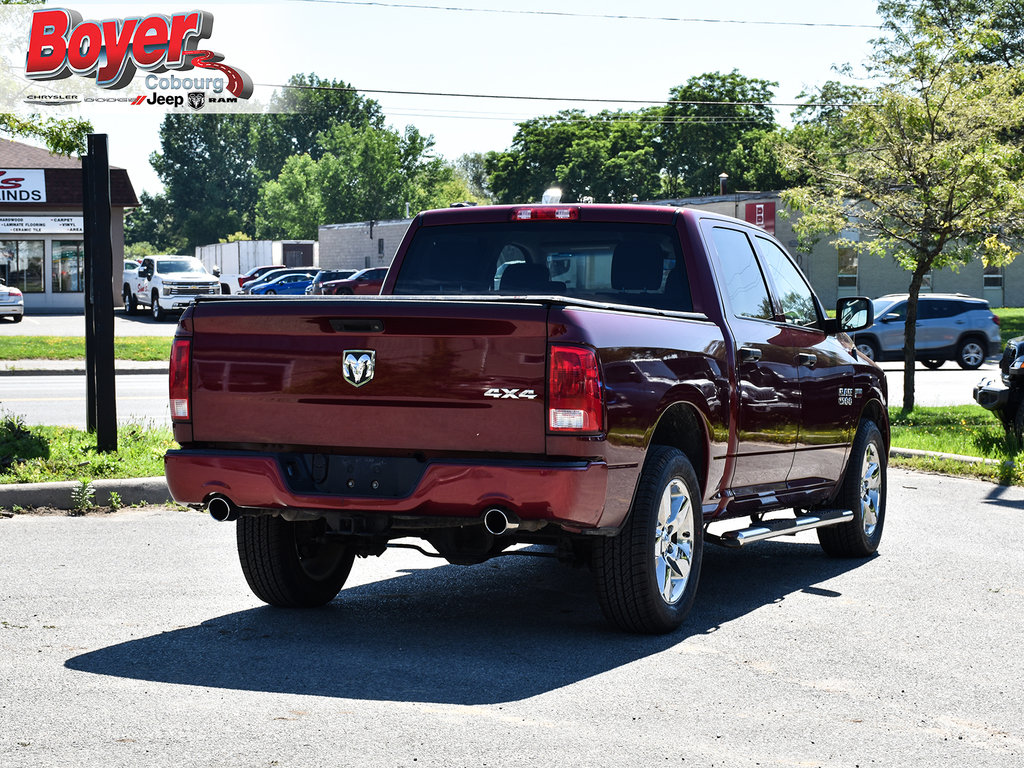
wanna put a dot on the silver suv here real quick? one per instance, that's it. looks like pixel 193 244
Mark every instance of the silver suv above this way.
pixel 950 326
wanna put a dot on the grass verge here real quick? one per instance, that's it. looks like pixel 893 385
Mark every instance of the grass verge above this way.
pixel 50 454
pixel 136 348
pixel 965 430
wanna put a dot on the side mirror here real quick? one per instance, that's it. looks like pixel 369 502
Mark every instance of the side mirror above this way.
pixel 216 270
pixel 853 313
pixel 143 272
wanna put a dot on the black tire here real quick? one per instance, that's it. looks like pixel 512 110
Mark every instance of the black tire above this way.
pixel 291 565
pixel 970 354
pixel 932 364
pixel 131 306
pixel 271 292
pixel 158 313
pixel 868 348
pixel 633 570
pixel 16 318
pixel 863 491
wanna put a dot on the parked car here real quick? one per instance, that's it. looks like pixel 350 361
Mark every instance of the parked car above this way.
pixel 286 285
pixel 267 277
pixel 326 275
pixel 365 281
pixel 950 326
pixel 1004 394
pixel 256 273
pixel 12 302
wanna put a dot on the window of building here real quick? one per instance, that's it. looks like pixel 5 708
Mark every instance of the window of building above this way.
pixel 21 264
pixel 67 266
pixel 993 277
pixel 848 261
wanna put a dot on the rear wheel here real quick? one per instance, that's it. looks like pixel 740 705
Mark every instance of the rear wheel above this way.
pixel 291 564
pixel 932 364
pixel 16 318
pixel 970 354
pixel 647 575
pixel 131 306
pixel 863 491
pixel 271 292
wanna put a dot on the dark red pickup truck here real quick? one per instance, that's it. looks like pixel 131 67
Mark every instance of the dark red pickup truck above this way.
pixel 599 381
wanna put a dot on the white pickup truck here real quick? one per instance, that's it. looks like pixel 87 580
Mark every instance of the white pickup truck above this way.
pixel 166 284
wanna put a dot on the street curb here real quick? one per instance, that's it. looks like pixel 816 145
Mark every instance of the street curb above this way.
pixel 77 371
pixel 912 453
pixel 136 490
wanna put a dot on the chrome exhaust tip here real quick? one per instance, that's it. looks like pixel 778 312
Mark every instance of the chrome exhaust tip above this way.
pixel 497 521
pixel 221 509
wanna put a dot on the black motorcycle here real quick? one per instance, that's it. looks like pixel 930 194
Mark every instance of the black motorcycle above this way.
pixel 1004 396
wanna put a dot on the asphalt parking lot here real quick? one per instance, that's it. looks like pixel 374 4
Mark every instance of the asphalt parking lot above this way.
pixel 131 639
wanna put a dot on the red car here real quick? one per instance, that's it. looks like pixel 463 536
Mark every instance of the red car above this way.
pixel 365 281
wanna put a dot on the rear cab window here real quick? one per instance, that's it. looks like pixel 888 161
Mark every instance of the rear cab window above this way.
pixel 632 264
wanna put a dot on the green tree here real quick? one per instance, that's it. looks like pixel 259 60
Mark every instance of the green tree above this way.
pixel 363 173
pixel 153 223
pixel 922 168
pixel 213 166
pixel 609 156
pixel 704 121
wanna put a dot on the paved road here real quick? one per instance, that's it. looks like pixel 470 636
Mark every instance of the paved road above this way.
pixel 60 400
pixel 949 385
pixel 132 640
pixel 74 325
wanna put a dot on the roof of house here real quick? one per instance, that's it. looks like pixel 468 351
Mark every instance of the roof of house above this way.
pixel 63 176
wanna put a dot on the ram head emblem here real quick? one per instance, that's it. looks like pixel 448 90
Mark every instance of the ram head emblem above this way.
pixel 357 366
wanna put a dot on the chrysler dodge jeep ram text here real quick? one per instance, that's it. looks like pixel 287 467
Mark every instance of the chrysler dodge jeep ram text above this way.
pixel 602 382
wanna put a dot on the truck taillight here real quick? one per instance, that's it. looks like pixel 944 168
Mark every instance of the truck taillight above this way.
pixel 181 360
pixel 575 401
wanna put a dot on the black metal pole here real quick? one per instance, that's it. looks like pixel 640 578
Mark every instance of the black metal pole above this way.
pixel 90 328
pixel 99 260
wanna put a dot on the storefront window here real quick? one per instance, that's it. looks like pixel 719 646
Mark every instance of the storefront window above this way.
pixel 68 266
pixel 21 264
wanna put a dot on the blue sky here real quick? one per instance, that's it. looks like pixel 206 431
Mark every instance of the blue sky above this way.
pixel 381 46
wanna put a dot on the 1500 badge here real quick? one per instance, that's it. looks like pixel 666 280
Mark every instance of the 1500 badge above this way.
pixel 847 395
pixel 511 394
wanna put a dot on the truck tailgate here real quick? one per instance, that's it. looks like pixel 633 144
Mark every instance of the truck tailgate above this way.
pixel 421 375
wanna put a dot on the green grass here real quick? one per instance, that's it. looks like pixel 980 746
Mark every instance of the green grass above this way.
pixel 965 430
pixel 137 348
pixel 1011 322
pixel 48 454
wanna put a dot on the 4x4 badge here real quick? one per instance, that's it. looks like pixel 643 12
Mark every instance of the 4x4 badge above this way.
pixel 357 366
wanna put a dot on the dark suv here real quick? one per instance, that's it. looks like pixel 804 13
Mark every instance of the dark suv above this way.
pixel 950 326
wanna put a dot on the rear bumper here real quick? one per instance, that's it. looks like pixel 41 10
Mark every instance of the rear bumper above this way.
pixel 566 493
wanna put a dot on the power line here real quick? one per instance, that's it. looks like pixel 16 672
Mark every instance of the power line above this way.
pixel 579 99
pixel 570 14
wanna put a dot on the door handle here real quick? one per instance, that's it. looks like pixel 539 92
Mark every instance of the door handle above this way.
pixel 749 354
pixel 805 358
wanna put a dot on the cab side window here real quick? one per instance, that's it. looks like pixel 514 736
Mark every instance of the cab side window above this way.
pixel 744 283
pixel 795 297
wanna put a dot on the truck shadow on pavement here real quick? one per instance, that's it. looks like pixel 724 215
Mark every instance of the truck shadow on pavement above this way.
pixel 503 631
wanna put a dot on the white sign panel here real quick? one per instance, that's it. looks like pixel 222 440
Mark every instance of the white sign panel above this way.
pixel 41 225
pixel 20 185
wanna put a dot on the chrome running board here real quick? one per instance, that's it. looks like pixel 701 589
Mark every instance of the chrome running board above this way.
pixel 769 529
